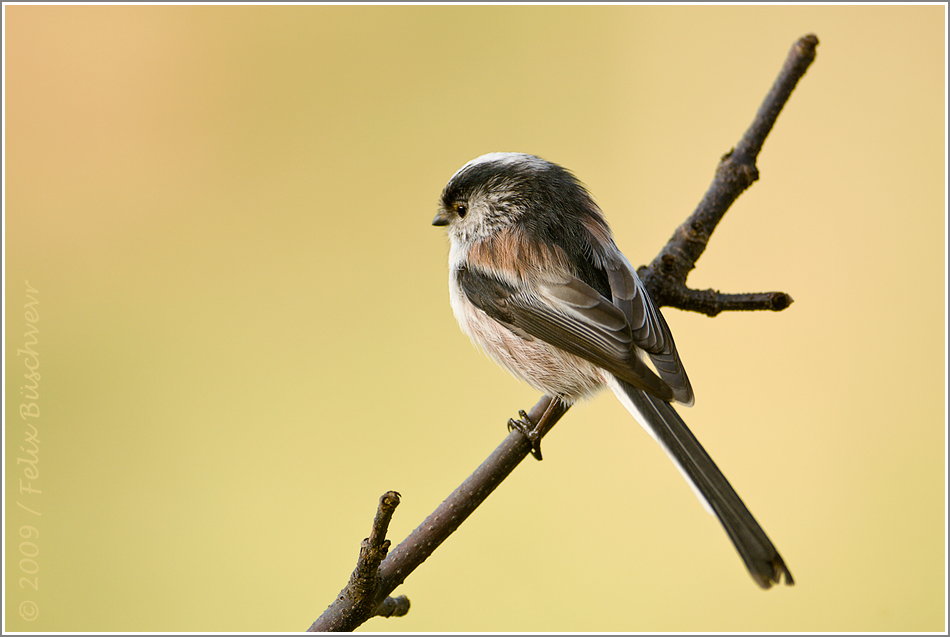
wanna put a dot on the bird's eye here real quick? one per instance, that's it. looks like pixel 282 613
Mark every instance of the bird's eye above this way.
pixel 461 210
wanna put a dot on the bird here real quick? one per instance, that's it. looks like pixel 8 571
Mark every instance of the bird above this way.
pixel 537 282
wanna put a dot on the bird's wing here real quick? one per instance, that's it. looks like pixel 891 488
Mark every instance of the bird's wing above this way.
pixel 570 315
pixel 647 326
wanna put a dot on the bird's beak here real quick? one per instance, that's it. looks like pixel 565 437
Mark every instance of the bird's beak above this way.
pixel 441 219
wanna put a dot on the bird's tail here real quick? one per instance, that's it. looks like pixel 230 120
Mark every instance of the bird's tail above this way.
pixel 717 495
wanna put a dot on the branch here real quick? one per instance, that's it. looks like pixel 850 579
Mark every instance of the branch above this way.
pixel 351 607
pixel 665 278
pixel 357 601
pixel 367 593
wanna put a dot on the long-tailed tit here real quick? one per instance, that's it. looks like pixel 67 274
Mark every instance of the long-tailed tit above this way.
pixel 536 280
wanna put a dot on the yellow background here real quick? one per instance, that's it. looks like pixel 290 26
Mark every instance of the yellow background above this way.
pixel 245 334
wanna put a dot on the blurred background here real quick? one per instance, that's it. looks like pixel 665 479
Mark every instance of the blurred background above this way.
pixel 244 334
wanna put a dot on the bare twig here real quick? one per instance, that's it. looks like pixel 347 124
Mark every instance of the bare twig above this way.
pixel 352 604
pixel 712 302
pixel 357 601
pixel 367 593
pixel 665 278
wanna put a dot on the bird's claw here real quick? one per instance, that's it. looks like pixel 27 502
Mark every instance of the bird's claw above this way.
pixel 526 428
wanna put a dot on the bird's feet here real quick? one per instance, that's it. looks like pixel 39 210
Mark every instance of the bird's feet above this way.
pixel 529 430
